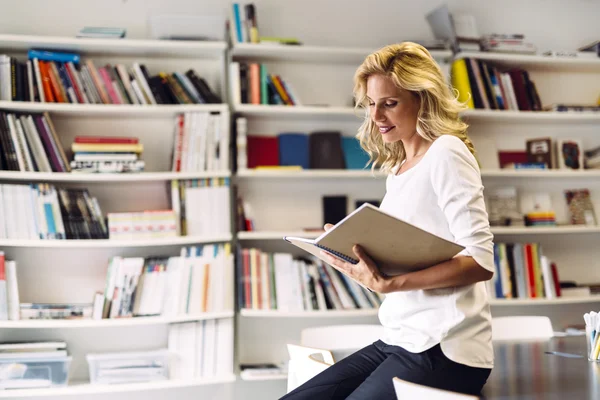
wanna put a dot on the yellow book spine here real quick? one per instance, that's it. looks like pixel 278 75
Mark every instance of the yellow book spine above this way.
pixel 537 270
pixel 460 81
pixel 113 148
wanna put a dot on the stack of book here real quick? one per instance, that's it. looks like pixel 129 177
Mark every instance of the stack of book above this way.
pixel 201 349
pixel 252 84
pixel 201 143
pixel 104 154
pixel 201 206
pixel 200 280
pixel 482 85
pixel 142 225
pixel 41 211
pixel 29 142
pixel 507 43
pixel 58 77
pixel 522 271
pixel 279 282
pixel 56 311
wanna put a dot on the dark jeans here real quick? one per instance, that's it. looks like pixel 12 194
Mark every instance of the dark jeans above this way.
pixel 368 373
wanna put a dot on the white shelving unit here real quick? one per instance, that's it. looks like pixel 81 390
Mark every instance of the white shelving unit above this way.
pixel 110 323
pixel 84 388
pixel 71 271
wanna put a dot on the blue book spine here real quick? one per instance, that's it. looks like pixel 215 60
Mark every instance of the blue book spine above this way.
pixel 238 22
pixel 53 56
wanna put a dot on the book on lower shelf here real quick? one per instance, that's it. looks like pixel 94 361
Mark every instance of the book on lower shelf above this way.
pixel 201 349
pixel 523 271
pixel 278 281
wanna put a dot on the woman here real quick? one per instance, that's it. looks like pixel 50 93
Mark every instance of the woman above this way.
pixel 437 323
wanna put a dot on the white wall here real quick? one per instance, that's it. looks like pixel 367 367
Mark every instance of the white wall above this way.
pixel 557 24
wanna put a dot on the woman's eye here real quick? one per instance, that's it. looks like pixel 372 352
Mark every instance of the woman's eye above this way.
pixel 371 104
pixel 390 105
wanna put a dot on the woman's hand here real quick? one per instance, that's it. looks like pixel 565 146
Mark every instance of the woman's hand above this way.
pixel 364 272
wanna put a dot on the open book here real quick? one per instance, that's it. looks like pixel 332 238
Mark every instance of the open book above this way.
pixel 397 247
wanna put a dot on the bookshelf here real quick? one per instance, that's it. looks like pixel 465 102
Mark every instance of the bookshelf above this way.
pixel 71 271
pixel 111 323
pixel 83 388
pixel 538 62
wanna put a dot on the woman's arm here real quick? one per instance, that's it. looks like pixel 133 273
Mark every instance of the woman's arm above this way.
pixel 459 271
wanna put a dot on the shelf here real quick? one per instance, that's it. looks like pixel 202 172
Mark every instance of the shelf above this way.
pixel 308 314
pixel 318 54
pixel 308 173
pixel 539 302
pixel 264 377
pixel 124 47
pixel 537 173
pixel 86 388
pixel 110 110
pixel 530 116
pixel 306 112
pixel 91 178
pixel 539 62
pixel 110 244
pixel 544 230
pixel 110 323
pixel 275 235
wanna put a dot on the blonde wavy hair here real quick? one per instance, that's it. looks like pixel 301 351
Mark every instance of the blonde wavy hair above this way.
pixel 411 68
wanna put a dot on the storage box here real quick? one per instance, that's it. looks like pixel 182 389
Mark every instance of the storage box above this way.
pixel 143 366
pixel 34 372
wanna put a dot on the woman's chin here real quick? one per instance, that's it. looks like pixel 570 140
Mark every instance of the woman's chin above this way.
pixel 390 138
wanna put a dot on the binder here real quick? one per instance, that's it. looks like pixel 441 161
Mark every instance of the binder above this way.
pixel 396 246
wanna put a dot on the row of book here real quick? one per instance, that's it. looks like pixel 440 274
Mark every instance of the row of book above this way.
pixel 243 23
pixel 201 142
pixel 153 224
pixel 252 84
pixel 277 281
pixel 522 271
pixel 106 154
pixel 314 150
pixel 201 349
pixel 29 142
pixel 42 211
pixel 57 77
pixel 202 206
pixel 200 280
pixel 484 86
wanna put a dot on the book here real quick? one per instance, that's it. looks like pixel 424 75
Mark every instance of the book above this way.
pixel 377 232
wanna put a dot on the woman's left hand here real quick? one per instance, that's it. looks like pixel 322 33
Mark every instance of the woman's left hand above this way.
pixel 365 271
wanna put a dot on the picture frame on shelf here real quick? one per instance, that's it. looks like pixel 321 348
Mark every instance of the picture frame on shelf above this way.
pixel 569 153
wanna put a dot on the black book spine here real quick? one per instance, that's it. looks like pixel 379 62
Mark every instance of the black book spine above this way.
pixel 203 88
pixel 9 147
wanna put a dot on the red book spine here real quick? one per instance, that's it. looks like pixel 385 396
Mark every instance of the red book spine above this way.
pixel 106 140
pixel 530 271
pixel 2 267
pixel 555 279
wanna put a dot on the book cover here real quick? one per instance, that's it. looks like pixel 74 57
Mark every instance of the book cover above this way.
pixel 354 156
pixel 293 149
pixel 326 150
pixel 262 151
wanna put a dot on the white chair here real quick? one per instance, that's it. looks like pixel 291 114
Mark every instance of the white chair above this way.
pixel 411 391
pixel 305 363
pixel 332 342
pixel 521 328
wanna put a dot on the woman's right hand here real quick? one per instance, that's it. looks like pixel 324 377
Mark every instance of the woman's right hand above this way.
pixel 328 227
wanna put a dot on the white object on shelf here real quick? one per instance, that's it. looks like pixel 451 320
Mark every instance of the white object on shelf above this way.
pixel 535 61
pixel 85 388
pixel 111 110
pixel 320 54
pixel 107 243
pixel 92 177
pixel 370 312
pixel 128 367
pixel 129 47
pixel 111 322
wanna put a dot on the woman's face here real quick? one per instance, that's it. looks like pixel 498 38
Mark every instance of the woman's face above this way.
pixel 392 109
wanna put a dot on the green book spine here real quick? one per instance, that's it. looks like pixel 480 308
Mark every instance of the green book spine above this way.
pixel 264 92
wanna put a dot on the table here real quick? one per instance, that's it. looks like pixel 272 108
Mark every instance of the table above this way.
pixel 525 371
